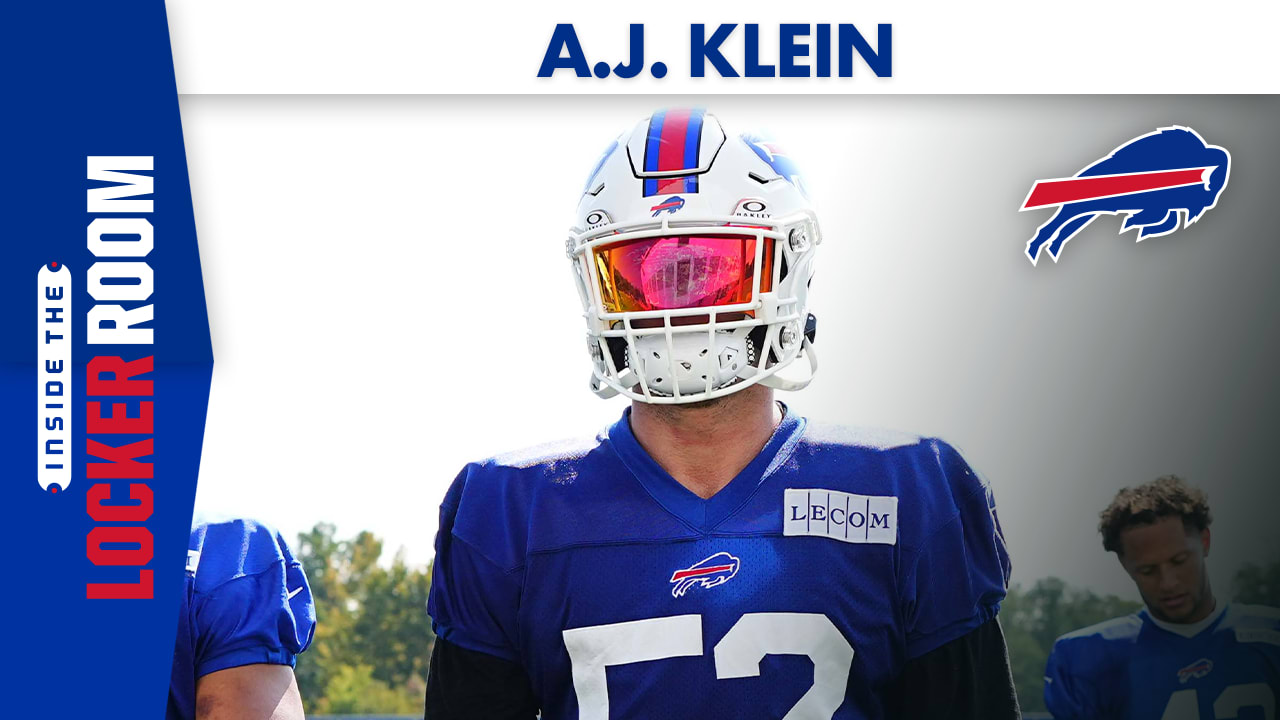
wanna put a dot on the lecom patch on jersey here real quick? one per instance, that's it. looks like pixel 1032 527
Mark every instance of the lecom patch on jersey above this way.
pixel 840 516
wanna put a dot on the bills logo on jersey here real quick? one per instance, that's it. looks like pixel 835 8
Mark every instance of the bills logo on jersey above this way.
pixel 1154 180
pixel 708 573
pixel 1197 669
pixel 671 205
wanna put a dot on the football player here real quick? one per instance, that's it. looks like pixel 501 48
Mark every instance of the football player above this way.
pixel 246 614
pixel 712 554
pixel 1186 655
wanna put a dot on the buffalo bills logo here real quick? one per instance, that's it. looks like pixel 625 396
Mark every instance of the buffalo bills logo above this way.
pixel 595 171
pixel 777 158
pixel 713 571
pixel 1154 180
pixel 1197 669
pixel 669 206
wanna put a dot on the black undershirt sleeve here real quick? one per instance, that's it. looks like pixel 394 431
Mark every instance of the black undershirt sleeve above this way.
pixel 468 685
pixel 966 679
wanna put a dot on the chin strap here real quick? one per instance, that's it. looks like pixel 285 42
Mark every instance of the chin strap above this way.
pixel 601 388
pixel 778 382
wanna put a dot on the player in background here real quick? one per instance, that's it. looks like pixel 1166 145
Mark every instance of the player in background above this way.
pixel 712 554
pixel 246 614
pixel 1187 655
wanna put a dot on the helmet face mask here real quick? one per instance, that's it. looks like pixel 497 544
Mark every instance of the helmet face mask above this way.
pixel 693 270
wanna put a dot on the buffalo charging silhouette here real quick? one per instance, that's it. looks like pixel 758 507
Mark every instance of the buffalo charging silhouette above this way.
pixel 1152 212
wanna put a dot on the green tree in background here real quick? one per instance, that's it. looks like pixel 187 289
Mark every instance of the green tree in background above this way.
pixel 373 638
pixel 1258 584
pixel 353 690
pixel 1032 619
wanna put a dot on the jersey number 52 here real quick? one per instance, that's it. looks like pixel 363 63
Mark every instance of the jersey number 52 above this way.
pixel 737 655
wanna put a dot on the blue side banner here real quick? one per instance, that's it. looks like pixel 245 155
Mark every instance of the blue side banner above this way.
pixel 105 359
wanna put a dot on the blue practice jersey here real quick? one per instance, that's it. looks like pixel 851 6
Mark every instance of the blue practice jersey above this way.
pixel 246 601
pixel 798 590
pixel 1133 668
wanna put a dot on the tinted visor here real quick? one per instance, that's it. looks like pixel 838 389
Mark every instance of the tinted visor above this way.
pixel 686 271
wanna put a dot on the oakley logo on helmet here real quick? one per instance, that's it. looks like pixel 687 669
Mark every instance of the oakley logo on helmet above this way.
pixel 752 208
pixel 596 219
pixel 669 206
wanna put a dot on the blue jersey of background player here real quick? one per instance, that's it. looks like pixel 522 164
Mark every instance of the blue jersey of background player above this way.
pixel 246 614
pixel 712 554
pixel 1186 656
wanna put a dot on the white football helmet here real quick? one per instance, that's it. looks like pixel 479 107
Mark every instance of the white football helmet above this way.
pixel 692 251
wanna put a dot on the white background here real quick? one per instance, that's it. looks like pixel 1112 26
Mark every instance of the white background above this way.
pixel 419 46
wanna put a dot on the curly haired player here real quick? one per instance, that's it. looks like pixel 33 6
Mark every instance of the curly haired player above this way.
pixel 1186 655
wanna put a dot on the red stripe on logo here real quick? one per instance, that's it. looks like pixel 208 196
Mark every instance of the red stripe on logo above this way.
pixel 1067 190
pixel 695 572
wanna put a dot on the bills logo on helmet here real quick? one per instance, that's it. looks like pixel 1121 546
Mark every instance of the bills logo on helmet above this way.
pixel 1153 180
pixel 777 158
pixel 670 205
pixel 713 571
pixel 1197 669
pixel 591 186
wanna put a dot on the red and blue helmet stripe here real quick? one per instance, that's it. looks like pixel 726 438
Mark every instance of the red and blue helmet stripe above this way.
pixel 673 144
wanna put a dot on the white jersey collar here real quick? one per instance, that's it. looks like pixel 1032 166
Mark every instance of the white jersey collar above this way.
pixel 1188 630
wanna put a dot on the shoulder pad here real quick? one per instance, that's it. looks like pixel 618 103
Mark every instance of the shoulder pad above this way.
pixel 858 437
pixel 1121 629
